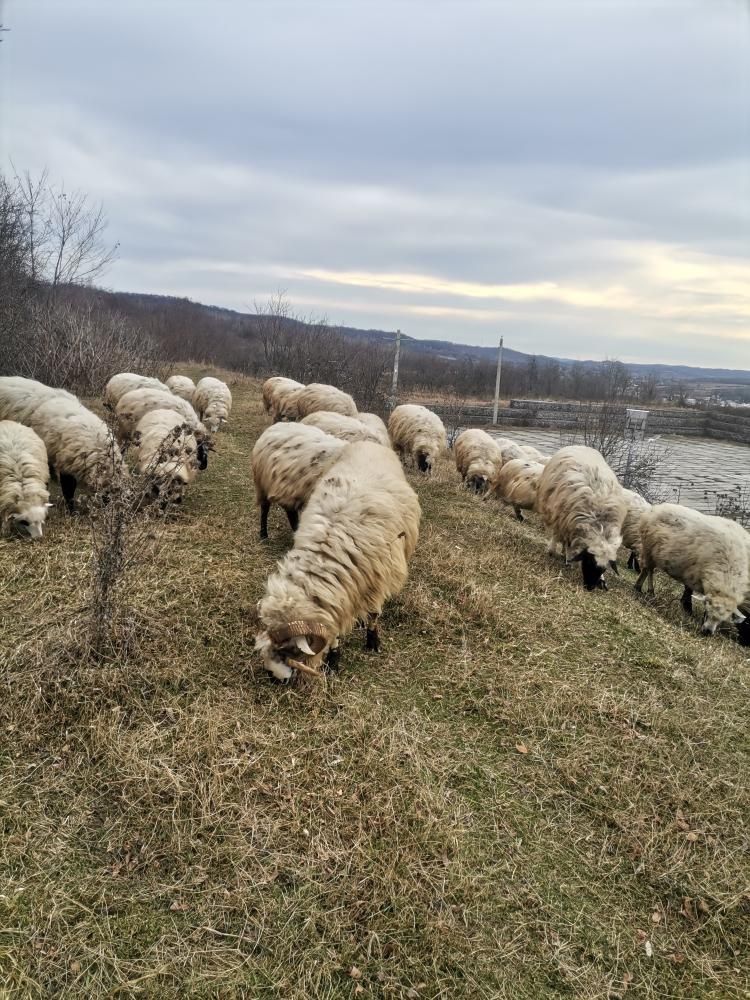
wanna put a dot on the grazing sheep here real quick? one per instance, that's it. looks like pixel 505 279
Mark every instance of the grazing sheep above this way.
pixel 80 447
pixel 477 458
pixel 136 403
pixel 24 475
pixel 318 396
pixel 288 460
pixel 351 553
pixel 706 554
pixel 631 526
pixel 417 432
pixel 517 483
pixel 19 397
pixel 213 402
pixel 275 391
pixel 529 451
pixel 376 425
pixel 344 428
pixel 181 386
pixel 510 451
pixel 118 385
pixel 166 451
pixel 581 503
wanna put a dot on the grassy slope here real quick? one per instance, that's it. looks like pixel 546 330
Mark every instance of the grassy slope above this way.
pixel 528 790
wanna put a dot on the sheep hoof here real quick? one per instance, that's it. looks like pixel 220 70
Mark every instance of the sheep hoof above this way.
pixel 372 641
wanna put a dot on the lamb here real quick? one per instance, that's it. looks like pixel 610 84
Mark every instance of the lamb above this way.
pixel 80 447
pixel 477 458
pixel 631 526
pixel 19 397
pixel 213 402
pixel 181 386
pixel 317 396
pixel 288 460
pixel 707 554
pixel 166 451
pixel 344 428
pixel 118 385
pixel 275 391
pixel 351 553
pixel 517 484
pixel 581 502
pixel 418 432
pixel 24 475
pixel 136 403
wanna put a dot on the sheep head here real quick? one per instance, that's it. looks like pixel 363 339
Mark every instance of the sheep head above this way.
pixel 297 646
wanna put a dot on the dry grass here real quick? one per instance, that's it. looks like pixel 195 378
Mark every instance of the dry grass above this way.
pixel 532 792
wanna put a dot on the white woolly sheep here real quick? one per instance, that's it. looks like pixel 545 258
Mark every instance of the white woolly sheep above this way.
pixel 24 474
pixel 377 426
pixel 477 458
pixel 530 452
pixel 344 428
pixel 317 396
pixel 288 460
pixel 80 447
pixel 125 382
pixel 181 386
pixel 213 402
pixel 581 503
pixel 419 433
pixel 19 397
pixel 631 526
pixel 351 553
pixel 275 391
pixel 517 484
pixel 706 554
pixel 166 451
pixel 136 403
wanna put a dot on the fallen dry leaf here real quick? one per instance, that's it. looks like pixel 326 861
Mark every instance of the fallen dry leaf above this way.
pixel 522 748
pixel 75 968
pixel 676 958
pixel 355 972
pixel 692 836
pixel 177 906
pixel 656 917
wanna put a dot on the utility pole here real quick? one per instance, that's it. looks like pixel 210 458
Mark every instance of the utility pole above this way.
pixel 497 380
pixel 394 383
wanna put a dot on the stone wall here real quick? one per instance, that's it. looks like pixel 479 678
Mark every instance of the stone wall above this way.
pixel 727 425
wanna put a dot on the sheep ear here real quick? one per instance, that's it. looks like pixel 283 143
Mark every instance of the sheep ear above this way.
pixel 302 644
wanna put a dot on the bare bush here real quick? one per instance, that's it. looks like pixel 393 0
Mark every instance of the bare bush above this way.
pixel 734 504
pixel 453 411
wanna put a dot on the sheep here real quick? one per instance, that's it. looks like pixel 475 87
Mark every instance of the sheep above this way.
pixel 418 432
pixel 275 391
pixel 530 452
pixel 631 526
pixel 706 554
pixel 351 553
pixel 134 404
pixel 181 386
pixel 317 396
pixel 581 502
pixel 345 428
pixel 167 451
pixel 24 475
pixel 19 397
pixel 517 484
pixel 510 451
pixel 80 447
pixel 118 385
pixel 213 402
pixel 377 425
pixel 287 461
pixel 477 458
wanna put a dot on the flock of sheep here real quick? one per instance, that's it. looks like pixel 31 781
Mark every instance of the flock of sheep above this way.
pixel 338 475
pixel 47 431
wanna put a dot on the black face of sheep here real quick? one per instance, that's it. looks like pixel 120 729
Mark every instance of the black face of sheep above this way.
pixel 743 632
pixel 592 573
pixel 478 484
pixel 423 462
pixel 202 455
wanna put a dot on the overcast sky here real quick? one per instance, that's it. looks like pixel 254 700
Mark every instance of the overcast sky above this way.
pixel 575 175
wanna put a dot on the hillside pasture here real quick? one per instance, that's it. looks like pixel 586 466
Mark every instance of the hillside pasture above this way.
pixel 533 791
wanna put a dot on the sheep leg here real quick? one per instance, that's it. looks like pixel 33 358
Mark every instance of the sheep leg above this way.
pixel 68 485
pixel 687 600
pixel 265 506
pixel 519 515
pixel 646 572
pixel 372 637
pixel 332 658
pixel 633 561
pixel 293 516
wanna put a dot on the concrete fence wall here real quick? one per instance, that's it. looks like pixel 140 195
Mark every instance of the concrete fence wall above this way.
pixel 726 425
